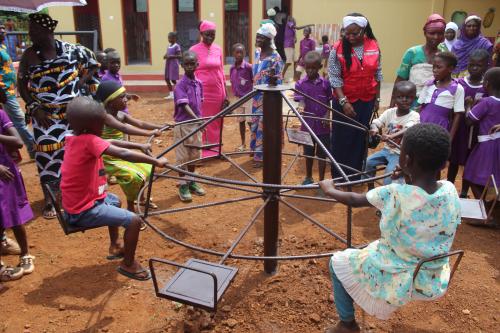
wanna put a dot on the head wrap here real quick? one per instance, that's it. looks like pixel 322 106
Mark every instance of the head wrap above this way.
pixel 43 20
pixel 207 25
pixel 449 43
pixel 108 91
pixel 472 17
pixel 268 30
pixel 271 12
pixel 360 21
pixel 435 21
pixel 464 46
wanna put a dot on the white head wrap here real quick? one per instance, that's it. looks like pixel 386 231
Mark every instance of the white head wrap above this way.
pixel 358 20
pixel 449 43
pixel 268 30
pixel 452 25
pixel 472 17
pixel 271 12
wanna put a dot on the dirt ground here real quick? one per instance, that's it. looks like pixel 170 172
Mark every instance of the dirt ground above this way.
pixel 75 289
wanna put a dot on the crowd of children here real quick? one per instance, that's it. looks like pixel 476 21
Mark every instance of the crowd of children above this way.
pixel 455 121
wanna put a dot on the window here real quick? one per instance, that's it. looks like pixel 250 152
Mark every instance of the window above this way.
pixel 141 6
pixel 185 6
pixel 231 5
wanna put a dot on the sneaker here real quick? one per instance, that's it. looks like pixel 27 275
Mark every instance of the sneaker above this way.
pixel 169 96
pixel 196 189
pixel 8 273
pixel 27 264
pixel 9 247
pixel 184 193
pixel 308 181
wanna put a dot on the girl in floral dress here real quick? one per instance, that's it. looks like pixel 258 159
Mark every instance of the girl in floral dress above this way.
pixel 419 220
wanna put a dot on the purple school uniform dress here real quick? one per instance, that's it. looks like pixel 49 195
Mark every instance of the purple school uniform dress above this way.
pixel 460 145
pixel 306 45
pixel 14 205
pixel 484 160
pixel 172 65
pixel 438 104
pixel 319 89
pixel 108 76
pixel 326 51
pixel 190 92
pixel 289 40
pixel 241 78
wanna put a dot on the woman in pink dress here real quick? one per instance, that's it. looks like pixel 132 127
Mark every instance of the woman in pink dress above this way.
pixel 211 73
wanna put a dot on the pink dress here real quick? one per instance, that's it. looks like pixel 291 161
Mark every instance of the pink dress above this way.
pixel 211 73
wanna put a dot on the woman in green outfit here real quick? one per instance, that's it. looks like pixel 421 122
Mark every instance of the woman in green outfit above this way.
pixel 130 176
pixel 416 65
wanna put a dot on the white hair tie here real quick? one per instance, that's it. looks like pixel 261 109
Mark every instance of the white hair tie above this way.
pixel 358 20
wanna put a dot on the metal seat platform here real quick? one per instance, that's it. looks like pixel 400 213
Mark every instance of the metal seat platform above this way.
pixel 198 283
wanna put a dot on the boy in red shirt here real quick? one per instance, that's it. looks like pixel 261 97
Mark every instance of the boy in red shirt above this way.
pixel 84 198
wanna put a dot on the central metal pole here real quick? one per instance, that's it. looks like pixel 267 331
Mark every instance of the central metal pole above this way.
pixel 272 145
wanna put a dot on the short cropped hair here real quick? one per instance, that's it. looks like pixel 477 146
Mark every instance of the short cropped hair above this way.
pixel 428 145
pixel 449 58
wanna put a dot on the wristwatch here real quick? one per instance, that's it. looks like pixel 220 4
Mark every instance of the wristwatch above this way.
pixel 343 101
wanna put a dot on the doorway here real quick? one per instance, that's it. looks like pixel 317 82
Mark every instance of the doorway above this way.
pixel 236 27
pixel 136 32
pixel 87 19
pixel 186 23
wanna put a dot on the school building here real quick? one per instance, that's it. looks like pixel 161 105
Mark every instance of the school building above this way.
pixel 138 28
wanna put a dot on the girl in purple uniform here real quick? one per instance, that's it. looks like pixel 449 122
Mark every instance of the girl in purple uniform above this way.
pixel 15 210
pixel 484 160
pixel 442 99
pixel 474 91
pixel 172 64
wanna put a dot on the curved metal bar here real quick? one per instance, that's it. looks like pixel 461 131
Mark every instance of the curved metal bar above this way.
pixel 205 205
pixel 307 197
pixel 313 221
pixel 270 186
pixel 330 108
pixel 245 230
pixel 234 256
pixel 315 137
pixel 289 167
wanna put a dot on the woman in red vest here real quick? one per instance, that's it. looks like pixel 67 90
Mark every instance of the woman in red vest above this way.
pixel 355 73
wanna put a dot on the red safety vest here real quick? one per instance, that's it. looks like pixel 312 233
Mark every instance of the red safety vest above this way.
pixel 359 80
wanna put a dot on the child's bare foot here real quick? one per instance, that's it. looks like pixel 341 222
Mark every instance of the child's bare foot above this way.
pixel 135 271
pixel 344 327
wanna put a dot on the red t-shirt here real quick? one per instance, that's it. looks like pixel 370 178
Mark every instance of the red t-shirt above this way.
pixel 82 172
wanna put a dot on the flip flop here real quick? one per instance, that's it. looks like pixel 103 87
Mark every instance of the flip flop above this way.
pixel 115 256
pixel 136 275
pixel 152 205
pixel 46 212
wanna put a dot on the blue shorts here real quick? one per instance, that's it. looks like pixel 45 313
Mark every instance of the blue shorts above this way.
pixel 105 212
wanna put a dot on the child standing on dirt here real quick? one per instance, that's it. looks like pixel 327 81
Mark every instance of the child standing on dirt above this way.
pixel 113 72
pixel 241 77
pixel 318 88
pixel 442 99
pixel 15 210
pixel 484 160
pixel 130 176
pixel 172 57
pixel 419 220
pixel 307 44
pixel 188 96
pixel 396 121
pixel 474 91
pixel 325 54
pixel 83 183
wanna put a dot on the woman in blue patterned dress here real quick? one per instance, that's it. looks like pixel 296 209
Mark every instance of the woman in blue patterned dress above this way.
pixel 267 66
pixel 51 74
pixel 419 220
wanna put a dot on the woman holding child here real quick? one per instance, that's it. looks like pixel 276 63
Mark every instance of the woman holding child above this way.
pixel 51 74
pixel 416 65
pixel 355 73
pixel 211 73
